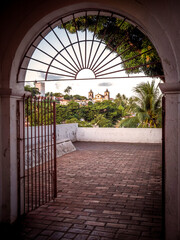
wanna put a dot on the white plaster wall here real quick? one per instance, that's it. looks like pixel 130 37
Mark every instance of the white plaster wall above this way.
pixel 13 162
pixel 71 132
pixel 66 132
pixel 63 132
pixel 172 163
pixel 131 135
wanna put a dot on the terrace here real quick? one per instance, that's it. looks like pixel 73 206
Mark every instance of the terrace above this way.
pixel 105 191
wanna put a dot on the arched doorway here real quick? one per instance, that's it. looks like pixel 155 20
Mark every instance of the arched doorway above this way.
pixel 164 49
pixel 56 55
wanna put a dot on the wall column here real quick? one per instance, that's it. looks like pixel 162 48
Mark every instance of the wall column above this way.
pixel 172 160
pixel 8 156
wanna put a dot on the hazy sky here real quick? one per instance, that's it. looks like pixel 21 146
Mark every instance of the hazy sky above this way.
pixel 115 86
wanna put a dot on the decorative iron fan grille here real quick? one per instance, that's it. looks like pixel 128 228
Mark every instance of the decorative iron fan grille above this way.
pixel 70 45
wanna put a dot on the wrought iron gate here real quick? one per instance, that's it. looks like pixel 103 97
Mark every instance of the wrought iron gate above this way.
pixel 36 148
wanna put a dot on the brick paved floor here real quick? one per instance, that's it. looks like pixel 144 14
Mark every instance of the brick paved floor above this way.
pixel 105 191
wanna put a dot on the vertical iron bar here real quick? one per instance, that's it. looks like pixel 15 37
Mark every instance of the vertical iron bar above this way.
pixel 32 187
pixel 45 161
pixel 48 103
pixel 51 148
pixel 39 181
pixel 42 152
pixel 55 167
pixel 35 160
pixel 28 174
pixel 24 166
pixel 20 156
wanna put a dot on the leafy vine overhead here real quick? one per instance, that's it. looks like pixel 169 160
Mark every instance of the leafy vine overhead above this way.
pixel 135 49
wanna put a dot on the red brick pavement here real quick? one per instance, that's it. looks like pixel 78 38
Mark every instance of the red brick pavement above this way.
pixel 105 191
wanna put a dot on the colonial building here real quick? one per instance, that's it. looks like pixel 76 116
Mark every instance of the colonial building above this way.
pixel 99 97
pixel 90 94
pixel 41 87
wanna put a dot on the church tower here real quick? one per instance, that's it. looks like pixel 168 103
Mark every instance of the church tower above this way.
pixel 106 95
pixel 90 94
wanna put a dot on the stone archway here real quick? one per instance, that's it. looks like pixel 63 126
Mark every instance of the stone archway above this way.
pixel 30 18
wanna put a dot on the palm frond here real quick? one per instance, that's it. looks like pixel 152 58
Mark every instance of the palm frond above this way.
pixel 148 104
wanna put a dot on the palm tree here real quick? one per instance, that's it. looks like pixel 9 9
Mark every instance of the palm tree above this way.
pixel 34 91
pixel 147 106
pixel 121 100
pixel 68 89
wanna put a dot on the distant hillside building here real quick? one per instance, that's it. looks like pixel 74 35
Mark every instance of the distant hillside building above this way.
pixel 90 94
pixel 41 87
pixel 99 97
pixel 106 95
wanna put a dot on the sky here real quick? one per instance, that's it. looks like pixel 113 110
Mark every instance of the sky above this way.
pixel 115 86
pixel 69 63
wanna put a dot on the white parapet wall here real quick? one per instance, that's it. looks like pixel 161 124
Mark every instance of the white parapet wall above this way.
pixel 131 135
pixel 65 135
pixel 66 132
pixel 71 132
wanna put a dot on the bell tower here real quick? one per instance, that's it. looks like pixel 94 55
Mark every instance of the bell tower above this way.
pixel 106 95
pixel 91 94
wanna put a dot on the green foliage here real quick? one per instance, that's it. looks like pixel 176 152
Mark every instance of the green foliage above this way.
pixel 68 112
pixel 49 94
pixel 124 39
pixel 147 107
pixel 61 113
pixel 148 104
pixel 58 94
pixel 131 122
pixel 41 113
pixel 72 120
pixel 143 110
pixel 109 110
pixel 68 97
pixel 80 123
pixel 124 104
pixel 101 121
pixel 84 124
pixel 33 90
pixel 78 97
